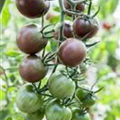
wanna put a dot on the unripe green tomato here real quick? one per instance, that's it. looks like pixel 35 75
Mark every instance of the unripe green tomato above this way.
pixel 27 100
pixel 78 115
pixel 60 86
pixel 56 111
pixel 38 115
pixel 81 94
pixel 89 101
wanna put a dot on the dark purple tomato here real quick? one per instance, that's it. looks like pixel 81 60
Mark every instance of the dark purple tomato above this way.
pixel 83 27
pixel 79 6
pixel 72 52
pixel 32 8
pixel 29 39
pixel 32 69
pixel 67 31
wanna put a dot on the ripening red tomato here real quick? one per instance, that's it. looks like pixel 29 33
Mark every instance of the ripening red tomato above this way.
pixel 106 26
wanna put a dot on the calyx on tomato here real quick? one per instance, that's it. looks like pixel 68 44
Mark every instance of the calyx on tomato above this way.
pixel 72 52
pixel 33 8
pixel 56 111
pixel 27 100
pixel 60 86
pixel 32 69
pixel 83 27
pixel 30 40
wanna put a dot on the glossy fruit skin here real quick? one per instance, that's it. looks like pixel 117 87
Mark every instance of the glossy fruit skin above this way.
pixel 77 115
pixel 32 69
pixel 56 111
pixel 60 86
pixel 32 8
pixel 38 115
pixel 27 100
pixel 85 97
pixel 81 94
pixel 72 52
pixel 82 27
pixel 79 6
pixel 89 101
pixel 67 31
pixel 29 39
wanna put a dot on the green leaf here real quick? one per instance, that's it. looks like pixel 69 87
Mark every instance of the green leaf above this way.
pixel 9 118
pixel 2 2
pixel 107 7
pixel 2 95
pixel 5 15
pixel 12 53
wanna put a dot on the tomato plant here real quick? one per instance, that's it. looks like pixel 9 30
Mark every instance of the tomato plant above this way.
pixel 53 92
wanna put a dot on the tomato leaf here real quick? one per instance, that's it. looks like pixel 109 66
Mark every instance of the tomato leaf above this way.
pixel 5 14
pixel 107 7
pixel 9 118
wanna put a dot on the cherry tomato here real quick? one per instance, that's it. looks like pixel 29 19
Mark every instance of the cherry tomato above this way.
pixel 72 52
pixel 60 86
pixel 79 6
pixel 67 31
pixel 32 8
pixel 85 97
pixel 56 111
pixel 32 69
pixel 38 115
pixel 107 26
pixel 29 39
pixel 27 100
pixel 77 114
pixel 83 27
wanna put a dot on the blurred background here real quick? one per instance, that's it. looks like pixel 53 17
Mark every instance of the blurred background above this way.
pixel 105 57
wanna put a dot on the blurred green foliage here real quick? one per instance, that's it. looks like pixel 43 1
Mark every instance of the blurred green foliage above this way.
pixel 106 56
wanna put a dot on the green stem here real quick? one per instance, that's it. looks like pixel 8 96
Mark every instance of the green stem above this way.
pixel 2 2
pixel 89 9
pixel 61 37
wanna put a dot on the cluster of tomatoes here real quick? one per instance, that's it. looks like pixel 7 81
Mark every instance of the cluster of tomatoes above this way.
pixel 61 98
